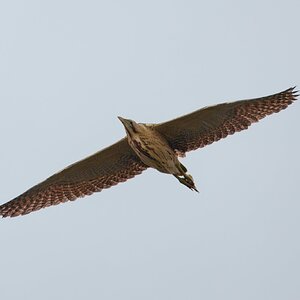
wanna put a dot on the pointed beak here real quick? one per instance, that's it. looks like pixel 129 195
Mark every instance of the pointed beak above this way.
pixel 124 122
pixel 121 119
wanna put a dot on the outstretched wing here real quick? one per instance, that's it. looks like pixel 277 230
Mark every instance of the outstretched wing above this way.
pixel 213 123
pixel 106 168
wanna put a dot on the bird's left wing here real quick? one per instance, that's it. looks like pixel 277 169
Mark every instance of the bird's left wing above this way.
pixel 210 124
pixel 106 168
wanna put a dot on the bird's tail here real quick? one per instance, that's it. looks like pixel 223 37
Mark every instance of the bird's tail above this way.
pixel 187 180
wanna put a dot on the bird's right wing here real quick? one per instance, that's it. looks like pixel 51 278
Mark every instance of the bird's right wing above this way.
pixel 213 123
pixel 106 168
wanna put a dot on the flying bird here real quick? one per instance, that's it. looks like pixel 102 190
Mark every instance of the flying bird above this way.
pixel 148 145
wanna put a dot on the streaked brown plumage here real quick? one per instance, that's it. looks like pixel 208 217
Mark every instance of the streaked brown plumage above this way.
pixel 155 145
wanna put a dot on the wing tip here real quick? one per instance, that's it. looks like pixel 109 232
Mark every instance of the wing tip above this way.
pixel 291 93
pixel 6 211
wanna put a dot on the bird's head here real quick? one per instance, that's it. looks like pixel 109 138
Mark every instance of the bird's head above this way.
pixel 131 126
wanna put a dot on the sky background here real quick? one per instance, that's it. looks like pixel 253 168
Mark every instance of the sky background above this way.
pixel 69 68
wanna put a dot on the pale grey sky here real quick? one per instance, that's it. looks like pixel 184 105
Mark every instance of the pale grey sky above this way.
pixel 68 68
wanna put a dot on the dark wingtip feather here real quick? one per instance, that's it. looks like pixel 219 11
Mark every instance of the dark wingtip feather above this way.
pixel 292 93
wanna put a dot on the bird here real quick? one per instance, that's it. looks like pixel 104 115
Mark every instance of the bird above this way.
pixel 157 146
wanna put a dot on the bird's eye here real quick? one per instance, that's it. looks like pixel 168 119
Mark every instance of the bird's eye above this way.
pixel 133 127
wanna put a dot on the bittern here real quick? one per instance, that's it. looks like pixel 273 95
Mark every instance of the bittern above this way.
pixel 148 145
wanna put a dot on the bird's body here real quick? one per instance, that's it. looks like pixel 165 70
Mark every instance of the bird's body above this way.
pixel 148 145
pixel 155 152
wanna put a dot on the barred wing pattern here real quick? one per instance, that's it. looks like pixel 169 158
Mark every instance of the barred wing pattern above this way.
pixel 210 124
pixel 118 162
pixel 106 168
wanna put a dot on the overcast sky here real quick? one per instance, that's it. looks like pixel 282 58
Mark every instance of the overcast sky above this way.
pixel 69 68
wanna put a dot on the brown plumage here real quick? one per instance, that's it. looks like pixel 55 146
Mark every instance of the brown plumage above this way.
pixel 156 145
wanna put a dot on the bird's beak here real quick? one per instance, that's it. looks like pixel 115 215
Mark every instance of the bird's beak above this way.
pixel 121 119
pixel 124 122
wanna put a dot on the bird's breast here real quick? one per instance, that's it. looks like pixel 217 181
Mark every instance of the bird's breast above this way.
pixel 155 153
